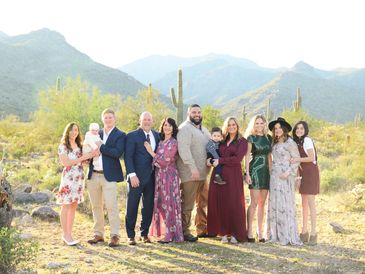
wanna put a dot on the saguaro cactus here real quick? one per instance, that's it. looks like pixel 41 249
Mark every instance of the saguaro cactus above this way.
pixel 269 112
pixel 358 119
pixel 178 103
pixel 244 115
pixel 297 104
pixel 149 97
pixel 58 84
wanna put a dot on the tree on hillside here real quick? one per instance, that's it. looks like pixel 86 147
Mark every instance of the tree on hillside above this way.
pixel 146 100
pixel 77 101
pixel 211 117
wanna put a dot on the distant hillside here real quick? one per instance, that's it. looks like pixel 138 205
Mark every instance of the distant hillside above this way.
pixel 210 79
pixel 228 83
pixel 152 68
pixel 33 61
pixel 325 94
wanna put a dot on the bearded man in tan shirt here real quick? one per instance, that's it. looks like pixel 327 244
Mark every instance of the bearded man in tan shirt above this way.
pixel 192 140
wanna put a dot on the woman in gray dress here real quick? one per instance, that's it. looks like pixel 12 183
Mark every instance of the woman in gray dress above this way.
pixel 281 223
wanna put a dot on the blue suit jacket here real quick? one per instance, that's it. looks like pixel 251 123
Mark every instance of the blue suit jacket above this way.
pixel 136 157
pixel 112 151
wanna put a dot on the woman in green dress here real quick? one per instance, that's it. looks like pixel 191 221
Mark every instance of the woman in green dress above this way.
pixel 257 166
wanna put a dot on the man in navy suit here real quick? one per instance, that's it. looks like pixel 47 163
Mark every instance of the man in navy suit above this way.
pixel 141 178
pixel 104 174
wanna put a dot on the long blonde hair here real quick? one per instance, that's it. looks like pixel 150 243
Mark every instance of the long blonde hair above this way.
pixel 250 130
pixel 225 129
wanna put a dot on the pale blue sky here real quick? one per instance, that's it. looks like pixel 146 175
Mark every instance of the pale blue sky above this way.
pixel 273 33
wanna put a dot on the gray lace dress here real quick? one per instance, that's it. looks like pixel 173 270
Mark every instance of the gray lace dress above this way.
pixel 281 223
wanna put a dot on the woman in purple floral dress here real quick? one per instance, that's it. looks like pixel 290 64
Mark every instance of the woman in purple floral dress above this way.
pixel 70 192
pixel 166 220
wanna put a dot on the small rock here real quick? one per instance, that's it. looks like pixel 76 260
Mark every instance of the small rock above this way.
pixel 40 197
pixel 23 198
pixel 28 198
pixel 337 228
pixel 26 236
pixel 45 213
pixel 55 265
pixel 49 193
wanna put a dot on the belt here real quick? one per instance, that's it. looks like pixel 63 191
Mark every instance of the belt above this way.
pixel 98 171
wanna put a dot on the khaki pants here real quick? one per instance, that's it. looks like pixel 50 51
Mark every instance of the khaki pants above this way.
pixel 194 192
pixel 101 191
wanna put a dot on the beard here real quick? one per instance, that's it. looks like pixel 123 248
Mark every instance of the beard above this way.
pixel 196 122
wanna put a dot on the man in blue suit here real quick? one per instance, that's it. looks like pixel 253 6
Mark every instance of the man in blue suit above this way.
pixel 141 178
pixel 104 174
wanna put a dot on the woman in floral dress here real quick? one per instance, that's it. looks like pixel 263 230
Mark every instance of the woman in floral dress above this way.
pixel 281 223
pixel 71 189
pixel 166 220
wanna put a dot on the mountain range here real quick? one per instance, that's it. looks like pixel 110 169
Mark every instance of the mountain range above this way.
pixel 230 83
pixel 33 61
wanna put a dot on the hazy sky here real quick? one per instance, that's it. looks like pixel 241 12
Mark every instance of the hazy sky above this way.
pixel 272 33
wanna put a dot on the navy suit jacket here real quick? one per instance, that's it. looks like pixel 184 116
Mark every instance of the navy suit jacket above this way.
pixel 112 151
pixel 136 158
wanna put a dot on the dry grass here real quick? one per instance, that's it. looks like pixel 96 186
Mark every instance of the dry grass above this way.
pixel 335 253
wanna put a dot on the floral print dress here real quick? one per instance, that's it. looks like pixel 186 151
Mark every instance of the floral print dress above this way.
pixel 166 219
pixel 72 180
pixel 281 223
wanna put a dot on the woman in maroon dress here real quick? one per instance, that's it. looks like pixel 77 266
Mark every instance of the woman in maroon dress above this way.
pixel 226 203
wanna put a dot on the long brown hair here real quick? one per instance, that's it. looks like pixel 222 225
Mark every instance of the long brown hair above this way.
pixel 225 129
pixel 172 122
pixel 286 135
pixel 66 136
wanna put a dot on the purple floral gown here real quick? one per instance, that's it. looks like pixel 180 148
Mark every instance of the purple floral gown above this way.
pixel 166 219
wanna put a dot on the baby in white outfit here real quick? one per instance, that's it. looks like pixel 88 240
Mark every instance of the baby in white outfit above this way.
pixel 91 139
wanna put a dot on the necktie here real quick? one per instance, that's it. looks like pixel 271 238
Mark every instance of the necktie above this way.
pixel 148 138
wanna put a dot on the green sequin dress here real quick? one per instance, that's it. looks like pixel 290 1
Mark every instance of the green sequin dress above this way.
pixel 259 163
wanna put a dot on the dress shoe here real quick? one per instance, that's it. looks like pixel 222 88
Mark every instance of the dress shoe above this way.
pixel 145 239
pixel 131 241
pixel 233 240
pixel 312 240
pixel 96 239
pixel 304 237
pixel 163 242
pixel 251 240
pixel 205 235
pixel 114 241
pixel 262 240
pixel 225 239
pixel 190 238
pixel 70 243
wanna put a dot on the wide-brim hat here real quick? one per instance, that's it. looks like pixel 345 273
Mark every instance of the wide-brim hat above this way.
pixel 281 121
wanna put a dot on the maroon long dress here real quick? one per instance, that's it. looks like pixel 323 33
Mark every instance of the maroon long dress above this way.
pixel 226 203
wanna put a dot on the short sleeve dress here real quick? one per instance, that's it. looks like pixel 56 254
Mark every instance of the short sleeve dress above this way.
pixel 72 180
pixel 259 163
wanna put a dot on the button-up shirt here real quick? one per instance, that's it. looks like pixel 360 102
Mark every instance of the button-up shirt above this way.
pixel 98 164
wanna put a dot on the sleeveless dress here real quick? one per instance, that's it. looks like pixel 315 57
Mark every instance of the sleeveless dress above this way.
pixel 309 173
pixel 72 180
pixel 259 163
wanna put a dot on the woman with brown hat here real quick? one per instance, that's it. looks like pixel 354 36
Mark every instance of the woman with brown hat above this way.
pixel 281 222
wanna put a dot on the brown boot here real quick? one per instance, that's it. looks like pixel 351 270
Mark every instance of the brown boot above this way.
pixel 313 240
pixel 131 241
pixel 114 241
pixel 218 180
pixel 304 237
pixel 96 239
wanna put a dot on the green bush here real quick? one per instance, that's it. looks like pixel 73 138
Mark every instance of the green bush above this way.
pixel 15 250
